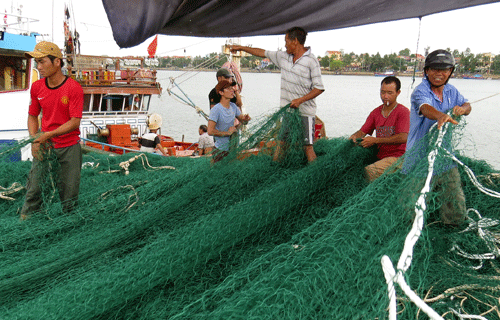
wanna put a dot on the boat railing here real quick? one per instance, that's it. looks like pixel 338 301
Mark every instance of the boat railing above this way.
pixel 112 146
pixel 16 23
pixel 111 71
pixel 115 113
pixel 104 77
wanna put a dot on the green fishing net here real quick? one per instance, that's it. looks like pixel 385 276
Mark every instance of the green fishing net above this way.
pixel 251 238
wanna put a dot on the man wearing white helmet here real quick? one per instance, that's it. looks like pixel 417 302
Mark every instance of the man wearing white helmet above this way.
pixel 149 142
pixel 430 103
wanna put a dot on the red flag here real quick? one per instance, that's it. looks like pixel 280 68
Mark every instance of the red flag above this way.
pixel 152 47
pixel 5 19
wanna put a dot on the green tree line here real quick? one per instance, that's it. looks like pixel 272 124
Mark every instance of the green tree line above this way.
pixel 466 62
pixel 404 61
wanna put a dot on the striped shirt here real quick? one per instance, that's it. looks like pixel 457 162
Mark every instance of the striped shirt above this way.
pixel 298 79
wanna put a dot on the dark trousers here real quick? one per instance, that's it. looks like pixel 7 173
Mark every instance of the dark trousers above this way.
pixel 67 179
pixel 450 195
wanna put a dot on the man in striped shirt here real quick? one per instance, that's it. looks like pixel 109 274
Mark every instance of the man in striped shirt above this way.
pixel 300 80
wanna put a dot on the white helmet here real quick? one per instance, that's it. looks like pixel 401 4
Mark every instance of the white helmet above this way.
pixel 153 121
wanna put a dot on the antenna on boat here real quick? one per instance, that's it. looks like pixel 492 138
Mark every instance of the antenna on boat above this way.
pixel 52 34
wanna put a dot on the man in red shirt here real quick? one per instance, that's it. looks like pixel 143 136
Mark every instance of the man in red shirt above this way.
pixel 60 100
pixel 391 120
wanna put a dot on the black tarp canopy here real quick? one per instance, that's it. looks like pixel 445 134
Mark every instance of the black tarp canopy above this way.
pixel 134 21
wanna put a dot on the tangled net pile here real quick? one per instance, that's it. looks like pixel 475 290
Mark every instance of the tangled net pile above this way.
pixel 249 238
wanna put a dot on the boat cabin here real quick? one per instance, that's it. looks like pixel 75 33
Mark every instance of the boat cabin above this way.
pixel 116 91
pixel 14 71
pixel 15 80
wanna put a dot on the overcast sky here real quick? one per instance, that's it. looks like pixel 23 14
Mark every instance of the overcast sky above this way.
pixel 475 28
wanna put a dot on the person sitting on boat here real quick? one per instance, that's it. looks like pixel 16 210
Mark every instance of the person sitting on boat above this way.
pixel 221 120
pixel 150 141
pixel 430 103
pixel 391 120
pixel 213 96
pixel 137 103
pixel 205 142
pixel 300 80
pixel 60 101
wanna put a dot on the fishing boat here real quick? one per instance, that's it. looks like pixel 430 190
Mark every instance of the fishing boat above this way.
pixel 475 76
pixel 16 77
pixel 117 93
pixel 385 74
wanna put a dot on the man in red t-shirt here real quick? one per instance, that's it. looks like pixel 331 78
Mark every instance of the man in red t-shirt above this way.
pixel 391 120
pixel 60 100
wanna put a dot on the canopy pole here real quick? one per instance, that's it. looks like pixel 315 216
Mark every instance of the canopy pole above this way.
pixel 416 52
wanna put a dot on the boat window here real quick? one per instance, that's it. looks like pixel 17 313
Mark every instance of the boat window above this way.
pixel 126 105
pixel 114 103
pixel 86 102
pixel 13 73
pixel 145 102
pixel 96 102
pixel 133 102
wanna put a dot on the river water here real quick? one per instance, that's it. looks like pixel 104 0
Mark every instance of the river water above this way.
pixel 343 106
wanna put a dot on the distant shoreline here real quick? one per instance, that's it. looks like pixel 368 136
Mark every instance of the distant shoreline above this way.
pixel 342 73
pixel 364 73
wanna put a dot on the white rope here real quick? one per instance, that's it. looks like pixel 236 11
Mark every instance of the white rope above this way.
pixel 390 275
pixel 467 316
pixel 411 239
pixel 181 100
pixel 126 164
pixel 205 64
pixel 415 298
pixel 89 164
pixel 406 257
pixel 490 239
pixel 473 178
pixel 130 203
pixel 496 94
pixel 15 187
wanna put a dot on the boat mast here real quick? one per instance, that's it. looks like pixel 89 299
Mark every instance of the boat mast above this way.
pixel 235 57
pixel 52 34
